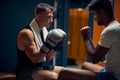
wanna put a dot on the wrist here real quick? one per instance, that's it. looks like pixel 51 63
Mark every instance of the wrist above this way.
pixel 85 37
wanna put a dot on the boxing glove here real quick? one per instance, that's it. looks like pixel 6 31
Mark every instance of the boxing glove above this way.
pixel 59 45
pixel 53 38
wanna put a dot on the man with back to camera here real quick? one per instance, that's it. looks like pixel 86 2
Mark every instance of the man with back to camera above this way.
pixel 107 46
pixel 35 46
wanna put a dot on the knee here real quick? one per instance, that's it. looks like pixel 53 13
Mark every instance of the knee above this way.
pixel 84 65
pixel 53 76
pixel 63 75
pixel 45 75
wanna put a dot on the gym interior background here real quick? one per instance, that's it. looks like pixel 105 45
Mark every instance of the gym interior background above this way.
pixel 71 16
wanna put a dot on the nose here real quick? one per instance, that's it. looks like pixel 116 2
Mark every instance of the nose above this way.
pixel 51 19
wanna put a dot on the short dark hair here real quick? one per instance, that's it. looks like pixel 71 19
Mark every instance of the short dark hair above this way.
pixel 100 4
pixel 42 7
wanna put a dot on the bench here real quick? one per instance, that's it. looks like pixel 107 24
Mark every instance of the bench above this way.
pixel 7 76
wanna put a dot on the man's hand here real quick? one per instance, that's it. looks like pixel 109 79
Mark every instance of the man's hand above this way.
pixel 54 37
pixel 85 31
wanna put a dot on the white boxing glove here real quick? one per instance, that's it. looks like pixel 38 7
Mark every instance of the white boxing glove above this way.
pixel 53 38
pixel 60 43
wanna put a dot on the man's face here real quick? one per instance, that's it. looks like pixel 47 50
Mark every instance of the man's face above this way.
pixel 98 17
pixel 47 18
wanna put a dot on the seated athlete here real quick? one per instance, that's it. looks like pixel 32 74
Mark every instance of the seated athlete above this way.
pixel 36 46
pixel 108 47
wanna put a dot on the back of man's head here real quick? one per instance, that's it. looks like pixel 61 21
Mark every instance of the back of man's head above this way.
pixel 42 7
pixel 97 5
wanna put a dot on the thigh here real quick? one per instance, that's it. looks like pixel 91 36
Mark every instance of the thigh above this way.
pixel 92 67
pixel 57 69
pixel 44 75
pixel 76 74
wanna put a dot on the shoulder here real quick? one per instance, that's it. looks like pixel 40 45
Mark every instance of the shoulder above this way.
pixel 25 33
pixel 25 37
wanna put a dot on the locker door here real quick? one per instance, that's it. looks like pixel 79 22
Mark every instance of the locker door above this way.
pixel 117 9
pixel 78 18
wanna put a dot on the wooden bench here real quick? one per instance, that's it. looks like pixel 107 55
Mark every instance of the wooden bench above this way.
pixel 7 76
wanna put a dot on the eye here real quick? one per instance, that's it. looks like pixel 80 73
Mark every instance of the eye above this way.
pixel 50 17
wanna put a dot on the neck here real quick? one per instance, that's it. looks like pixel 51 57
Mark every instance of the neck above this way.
pixel 107 22
pixel 39 23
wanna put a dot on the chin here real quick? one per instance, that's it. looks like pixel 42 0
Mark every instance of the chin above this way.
pixel 100 24
pixel 47 26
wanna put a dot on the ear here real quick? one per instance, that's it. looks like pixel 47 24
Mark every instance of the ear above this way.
pixel 38 15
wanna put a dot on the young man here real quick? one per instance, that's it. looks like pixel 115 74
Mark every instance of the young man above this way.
pixel 108 46
pixel 36 46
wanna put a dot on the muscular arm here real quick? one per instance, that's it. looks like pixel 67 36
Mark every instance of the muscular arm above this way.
pixel 51 55
pixel 96 53
pixel 25 41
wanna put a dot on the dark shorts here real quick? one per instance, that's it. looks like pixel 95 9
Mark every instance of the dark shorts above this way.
pixel 26 73
pixel 105 75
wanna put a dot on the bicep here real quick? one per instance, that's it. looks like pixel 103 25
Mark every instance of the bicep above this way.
pixel 104 44
pixel 100 53
pixel 26 42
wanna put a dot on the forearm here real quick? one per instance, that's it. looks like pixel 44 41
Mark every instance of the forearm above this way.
pixel 85 31
pixel 89 46
pixel 94 52
pixel 51 55
pixel 91 50
pixel 41 55
pixel 36 55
